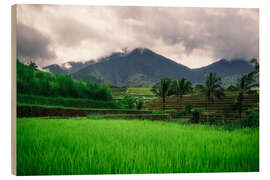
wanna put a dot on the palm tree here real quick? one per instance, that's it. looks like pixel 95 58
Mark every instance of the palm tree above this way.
pixel 162 89
pixel 181 87
pixel 213 88
pixel 255 73
pixel 244 85
pixel 256 66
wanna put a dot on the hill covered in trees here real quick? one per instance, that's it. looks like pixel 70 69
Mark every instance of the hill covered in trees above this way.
pixel 142 67
pixel 32 81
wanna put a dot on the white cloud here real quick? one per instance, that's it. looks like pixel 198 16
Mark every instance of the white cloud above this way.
pixel 190 36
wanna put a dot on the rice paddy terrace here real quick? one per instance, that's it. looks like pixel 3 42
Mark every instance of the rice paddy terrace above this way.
pixel 143 93
pixel 24 110
pixel 220 108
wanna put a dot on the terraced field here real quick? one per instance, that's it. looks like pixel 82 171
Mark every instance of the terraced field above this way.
pixel 220 107
pixel 63 140
pixel 143 93
pixel 221 110
pixel 56 111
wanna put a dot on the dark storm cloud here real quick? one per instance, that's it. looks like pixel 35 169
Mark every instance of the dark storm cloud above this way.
pixel 191 36
pixel 32 44
pixel 227 32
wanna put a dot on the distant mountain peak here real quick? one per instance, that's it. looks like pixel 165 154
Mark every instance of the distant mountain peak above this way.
pixel 143 67
pixel 140 50
pixel 66 65
pixel 223 60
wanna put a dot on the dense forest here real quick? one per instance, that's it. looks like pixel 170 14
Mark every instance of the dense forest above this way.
pixel 32 81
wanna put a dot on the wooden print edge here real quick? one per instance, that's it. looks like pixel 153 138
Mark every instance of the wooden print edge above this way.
pixel 13 89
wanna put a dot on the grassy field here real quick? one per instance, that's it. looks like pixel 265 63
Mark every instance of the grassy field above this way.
pixel 86 146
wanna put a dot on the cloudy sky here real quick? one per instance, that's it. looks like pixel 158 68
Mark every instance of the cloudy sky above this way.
pixel 194 37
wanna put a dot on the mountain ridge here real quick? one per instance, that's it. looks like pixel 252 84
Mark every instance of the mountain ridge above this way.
pixel 124 69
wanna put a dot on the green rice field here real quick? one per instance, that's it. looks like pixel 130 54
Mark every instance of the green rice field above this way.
pixel 144 93
pixel 60 146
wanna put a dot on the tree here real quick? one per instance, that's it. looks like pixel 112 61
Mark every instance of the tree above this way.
pixel 255 73
pixel 33 65
pixel 256 66
pixel 244 85
pixel 129 101
pixel 162 89
pixel 199 88
pixel 213 88
pixel 181 87
pixel 32 81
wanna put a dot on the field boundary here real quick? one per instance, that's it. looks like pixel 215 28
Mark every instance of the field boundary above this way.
pixel 42 111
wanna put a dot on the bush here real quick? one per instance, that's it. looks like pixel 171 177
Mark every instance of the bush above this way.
pixel 188 108
pixel 128 101
pixel 196 115
pixel 212 120
pixel 251 118
pixel 139 104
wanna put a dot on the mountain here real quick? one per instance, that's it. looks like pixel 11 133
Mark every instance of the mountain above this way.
pixel 224 68
pixel 55 69
pixel 69 67
pixel 120 68
pixel 142 67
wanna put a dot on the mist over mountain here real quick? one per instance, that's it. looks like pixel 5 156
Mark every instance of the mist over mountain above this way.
pixel 142 67
pixel 68 67
pixel 224 68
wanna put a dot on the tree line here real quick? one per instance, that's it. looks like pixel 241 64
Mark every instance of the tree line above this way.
pixel 32 81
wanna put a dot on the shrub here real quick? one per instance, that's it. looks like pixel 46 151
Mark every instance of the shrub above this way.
pixel 212 120
pixel 251 118
pixel 196 115
pixel 188 108
pixel 139 104
pixel 128 101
